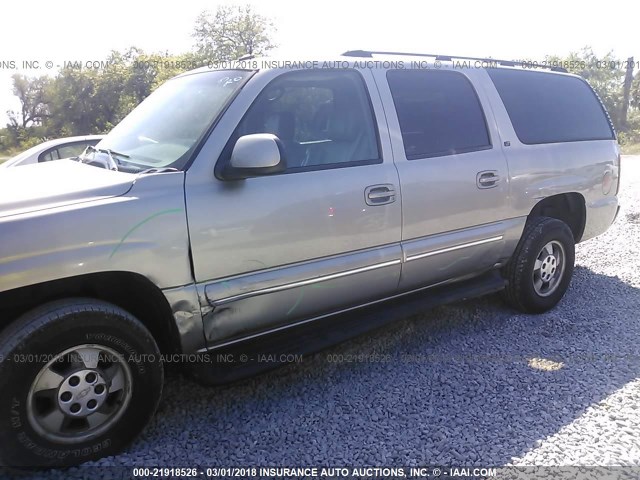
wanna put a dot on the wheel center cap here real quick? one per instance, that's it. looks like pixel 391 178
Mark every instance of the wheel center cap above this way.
pixel 82 393
pixel 548 267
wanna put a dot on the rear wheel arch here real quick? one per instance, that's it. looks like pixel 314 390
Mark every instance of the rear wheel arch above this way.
pixel 569 208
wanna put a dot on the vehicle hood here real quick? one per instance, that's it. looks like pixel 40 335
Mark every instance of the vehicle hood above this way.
pixel 54 184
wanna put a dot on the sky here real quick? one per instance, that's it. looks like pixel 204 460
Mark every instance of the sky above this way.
pixel 72 30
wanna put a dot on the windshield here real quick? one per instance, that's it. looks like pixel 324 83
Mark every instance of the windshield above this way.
pixel 164 129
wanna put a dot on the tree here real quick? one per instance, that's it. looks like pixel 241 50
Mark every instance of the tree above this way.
pixel 80 100
pixel 232 32
pixel 626 93
pixel 31 94
pixel 131 76
pixel 74 106
pixel 84 101
pixel 635 91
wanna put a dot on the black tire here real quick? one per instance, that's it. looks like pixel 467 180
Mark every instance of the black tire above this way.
pixel 521 293
pixel 27 348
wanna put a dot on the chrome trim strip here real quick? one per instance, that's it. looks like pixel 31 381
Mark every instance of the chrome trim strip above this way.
pixel 451 249
pixel 320 317
pixel 302 283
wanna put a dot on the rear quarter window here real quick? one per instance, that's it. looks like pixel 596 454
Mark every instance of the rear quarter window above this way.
pixel 551 108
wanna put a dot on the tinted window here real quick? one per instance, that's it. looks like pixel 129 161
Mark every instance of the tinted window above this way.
pixel 322 118
pixel 49 155
pixel 549 108
pixel 439 113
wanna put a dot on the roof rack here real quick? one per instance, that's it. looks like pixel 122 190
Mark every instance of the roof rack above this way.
pixel 448 58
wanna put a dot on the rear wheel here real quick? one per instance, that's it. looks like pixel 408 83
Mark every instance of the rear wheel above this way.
pixel 79 379
pixel 541 268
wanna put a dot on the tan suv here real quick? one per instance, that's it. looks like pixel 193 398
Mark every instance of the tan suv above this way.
pixel 236 205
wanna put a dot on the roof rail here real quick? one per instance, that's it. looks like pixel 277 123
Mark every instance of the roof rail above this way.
pixel 448 58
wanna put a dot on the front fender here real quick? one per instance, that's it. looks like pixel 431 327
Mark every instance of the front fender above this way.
pixel 143 231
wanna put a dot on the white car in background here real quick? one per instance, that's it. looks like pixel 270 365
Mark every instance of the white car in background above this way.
pixel 53 150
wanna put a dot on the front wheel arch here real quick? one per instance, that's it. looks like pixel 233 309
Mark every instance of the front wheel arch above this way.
pixel 130 291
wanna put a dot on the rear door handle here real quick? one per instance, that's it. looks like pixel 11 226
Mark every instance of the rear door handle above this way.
pixel 487 179
pixel 380 194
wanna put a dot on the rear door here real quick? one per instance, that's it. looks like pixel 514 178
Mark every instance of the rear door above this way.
pixel 320 237
pixel 453 174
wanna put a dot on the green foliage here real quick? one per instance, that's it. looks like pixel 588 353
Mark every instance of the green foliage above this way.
pixel 168 66
pixel 232 32
pixel 31 93
pixel 631 137
pixel 14 141
pixel 81 101
pixel 635 92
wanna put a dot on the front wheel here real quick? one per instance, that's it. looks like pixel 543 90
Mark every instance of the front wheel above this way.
pixel 541 268
pixel 79 379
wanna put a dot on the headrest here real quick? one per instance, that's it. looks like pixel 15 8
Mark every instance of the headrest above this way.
pixel 281 124
pixel 343 124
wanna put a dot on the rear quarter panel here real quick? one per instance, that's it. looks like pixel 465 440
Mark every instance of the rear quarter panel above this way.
pixel 540 171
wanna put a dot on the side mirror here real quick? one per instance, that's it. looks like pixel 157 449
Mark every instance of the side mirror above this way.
pixel 255 155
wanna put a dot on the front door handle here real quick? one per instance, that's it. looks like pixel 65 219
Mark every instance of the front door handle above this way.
pixel 380 194
pixel 487 179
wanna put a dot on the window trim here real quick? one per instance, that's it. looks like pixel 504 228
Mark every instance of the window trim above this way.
pixel 613 137
pixel 460 151
pixel 420 156
pixel 225 155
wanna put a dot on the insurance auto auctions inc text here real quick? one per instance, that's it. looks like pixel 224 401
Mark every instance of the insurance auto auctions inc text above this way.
pixel 352 472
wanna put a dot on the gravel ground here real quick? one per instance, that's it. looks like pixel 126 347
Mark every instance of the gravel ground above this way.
pixel 471 383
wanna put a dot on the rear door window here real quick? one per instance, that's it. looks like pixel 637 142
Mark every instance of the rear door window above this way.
pixel 550 108
pixel 439 113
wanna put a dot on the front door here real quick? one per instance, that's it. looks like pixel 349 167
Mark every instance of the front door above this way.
pixel 321 237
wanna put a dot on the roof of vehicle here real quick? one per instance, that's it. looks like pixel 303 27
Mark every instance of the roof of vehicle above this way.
pixel 488 61
pixel 369 59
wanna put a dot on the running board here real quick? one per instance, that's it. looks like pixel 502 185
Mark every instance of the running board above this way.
pixel 260 354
